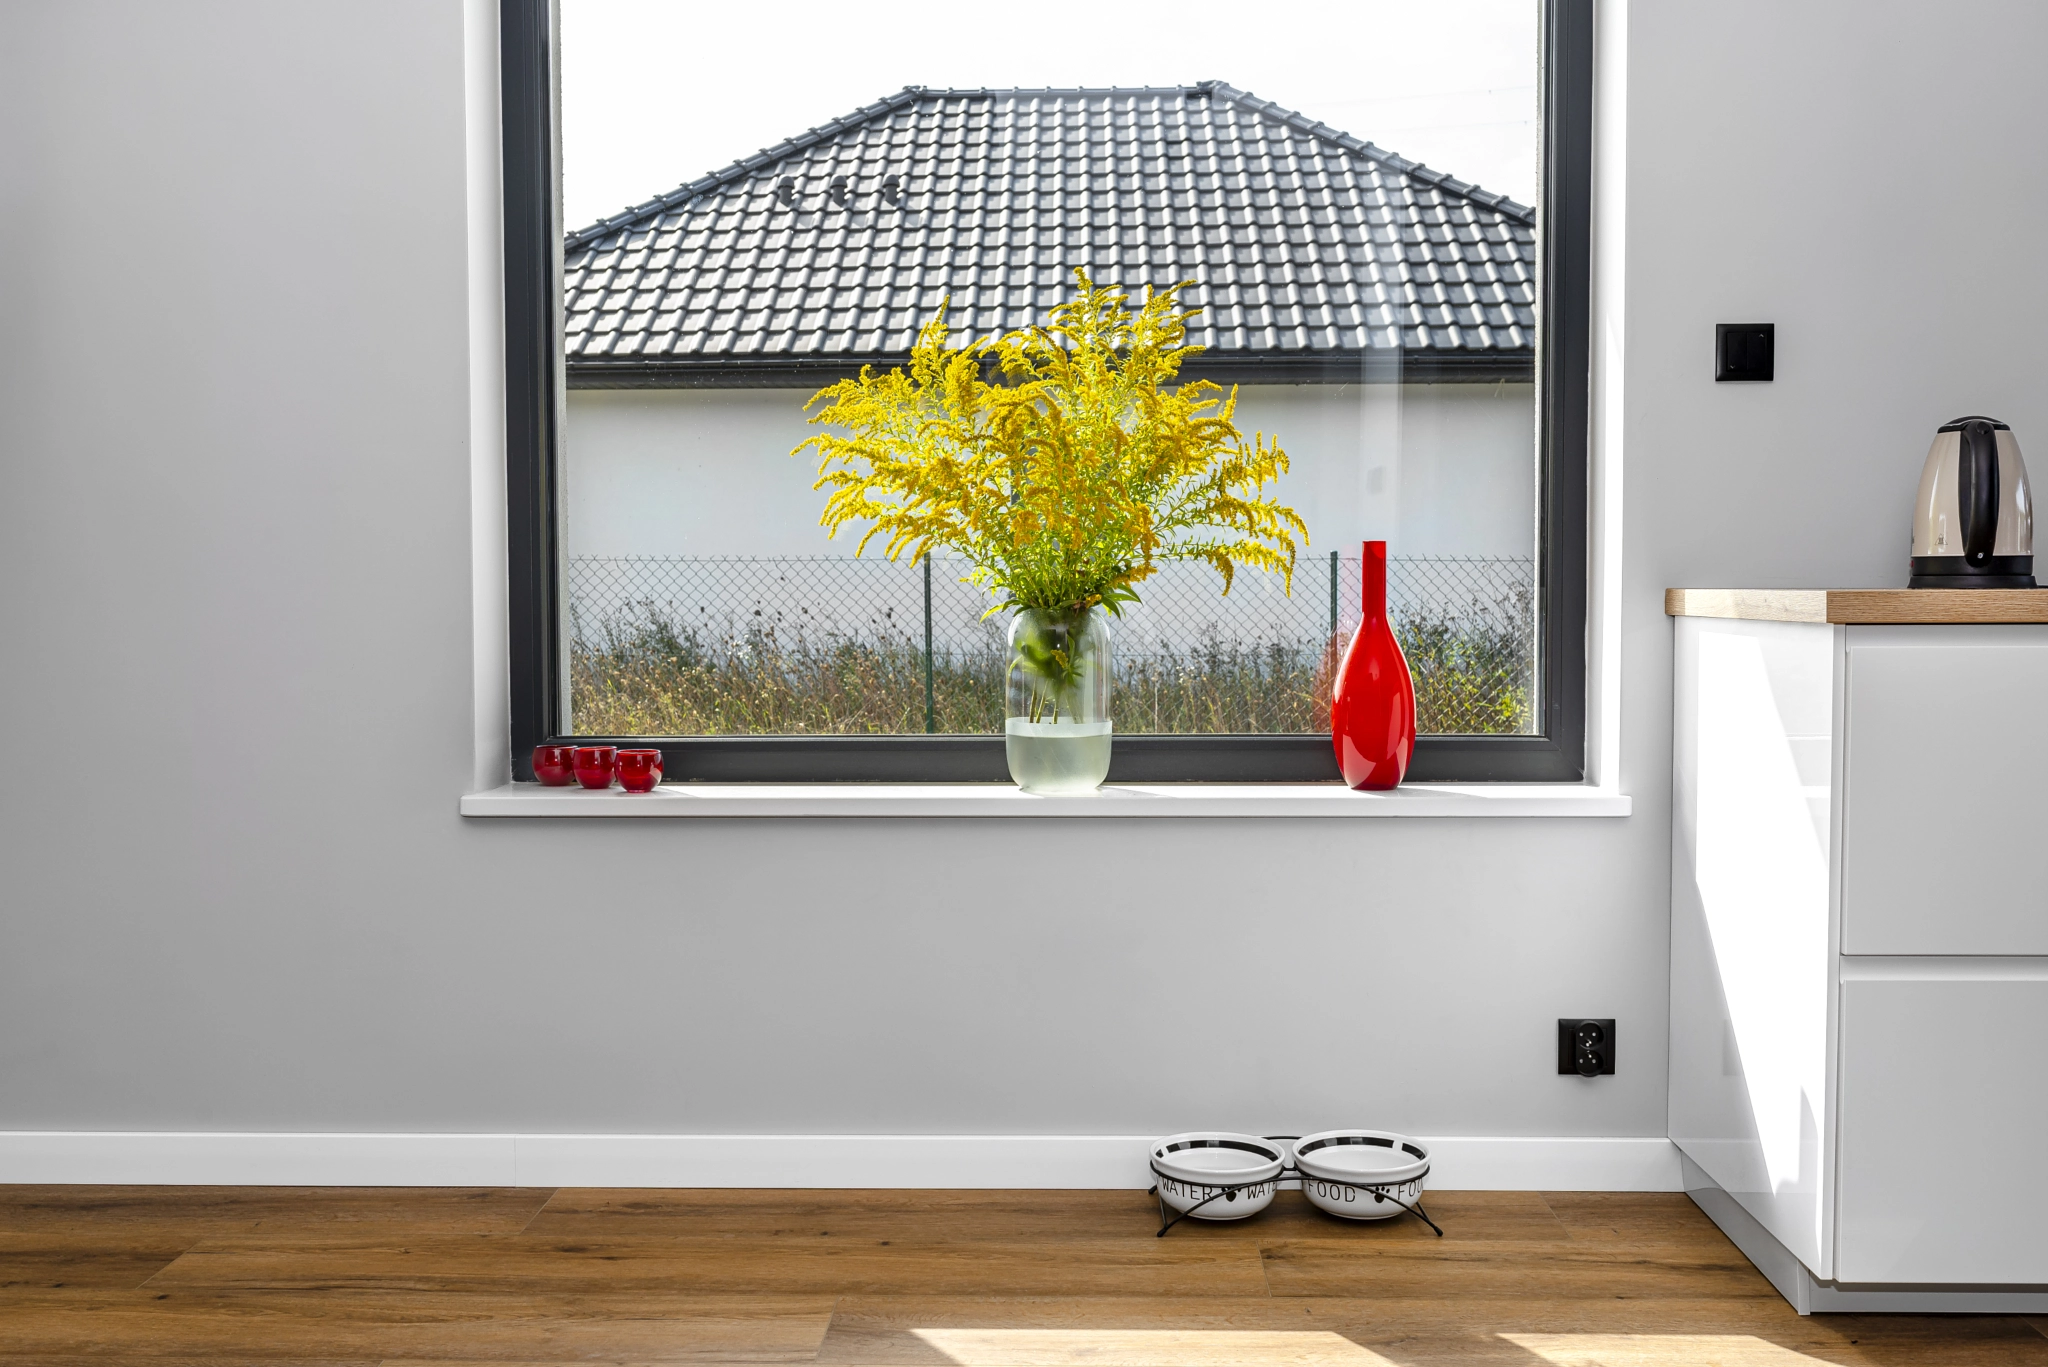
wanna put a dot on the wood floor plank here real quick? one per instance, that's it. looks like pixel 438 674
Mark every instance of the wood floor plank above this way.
pixel 913 1332
pixel 53 1258
pixel 1484 1216
pixel 376 1325
pixel 210 1360
pixel 861 1319
pixel 1878 1346
pixel 1487 1216
pixel 1447 1348
pixel 194 1213
pixel 1142 1266
pixel 1635 1218
pixel 926 1216
pixel 1006 1216
pixel 1331 1268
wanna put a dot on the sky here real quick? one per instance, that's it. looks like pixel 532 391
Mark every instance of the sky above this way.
pixel 656 93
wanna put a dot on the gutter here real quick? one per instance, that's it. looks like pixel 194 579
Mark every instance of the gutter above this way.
pixel 1330 367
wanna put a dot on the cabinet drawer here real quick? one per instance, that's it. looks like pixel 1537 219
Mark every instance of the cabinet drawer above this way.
pixel 1945 791
pixel 1943 1173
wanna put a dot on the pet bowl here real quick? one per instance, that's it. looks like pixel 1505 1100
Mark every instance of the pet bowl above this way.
pixel 1228 1176
pixel 1361 1174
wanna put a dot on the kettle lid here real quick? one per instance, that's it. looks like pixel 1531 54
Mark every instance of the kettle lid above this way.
pixel 1958 424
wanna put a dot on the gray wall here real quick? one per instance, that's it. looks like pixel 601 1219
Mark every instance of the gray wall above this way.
pixel 235 590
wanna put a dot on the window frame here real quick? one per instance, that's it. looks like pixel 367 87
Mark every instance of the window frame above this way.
pixel 535 387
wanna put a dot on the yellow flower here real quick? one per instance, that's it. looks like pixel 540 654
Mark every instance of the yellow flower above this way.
pixel 1056 460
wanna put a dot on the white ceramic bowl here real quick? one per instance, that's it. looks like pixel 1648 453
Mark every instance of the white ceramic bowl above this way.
pixel 1352 1173
pixel 1192 1168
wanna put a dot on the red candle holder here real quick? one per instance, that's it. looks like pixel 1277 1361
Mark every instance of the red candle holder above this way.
pixel 594 765
pixel 639 770
pixel 555 765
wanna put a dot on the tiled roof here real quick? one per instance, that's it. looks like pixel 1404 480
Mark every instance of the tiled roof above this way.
pixel 1309 249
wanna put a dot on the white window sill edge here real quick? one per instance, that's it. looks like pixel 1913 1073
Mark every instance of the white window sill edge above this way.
pixel 1002 800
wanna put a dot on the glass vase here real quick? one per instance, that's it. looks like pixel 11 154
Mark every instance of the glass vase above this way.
pixel 1056 728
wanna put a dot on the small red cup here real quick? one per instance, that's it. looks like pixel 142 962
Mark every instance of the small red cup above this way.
pixel 555 765
pixel 639 770
pixel 594 764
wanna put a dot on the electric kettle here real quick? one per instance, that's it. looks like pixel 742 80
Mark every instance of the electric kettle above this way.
pixel 1973 523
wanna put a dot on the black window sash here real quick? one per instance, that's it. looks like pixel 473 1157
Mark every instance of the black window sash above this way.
pixel 534 385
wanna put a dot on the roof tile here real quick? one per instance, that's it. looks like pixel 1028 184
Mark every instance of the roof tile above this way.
pixel 1300 239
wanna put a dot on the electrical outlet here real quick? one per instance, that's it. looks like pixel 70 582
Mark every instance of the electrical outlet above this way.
pixel 1585 1047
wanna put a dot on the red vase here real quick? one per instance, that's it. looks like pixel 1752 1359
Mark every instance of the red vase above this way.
pixel 1372 706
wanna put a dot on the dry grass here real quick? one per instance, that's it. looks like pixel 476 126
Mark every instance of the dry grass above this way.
pixel 654 677
pixel 660 680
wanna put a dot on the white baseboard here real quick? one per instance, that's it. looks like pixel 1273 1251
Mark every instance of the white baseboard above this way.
pixel 259 1160
pixel 783 1160
pixel 1554 1164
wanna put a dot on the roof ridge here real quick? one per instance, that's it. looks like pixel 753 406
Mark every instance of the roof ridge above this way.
pixel 745 166
pixel 1443 180
pixel 1067 89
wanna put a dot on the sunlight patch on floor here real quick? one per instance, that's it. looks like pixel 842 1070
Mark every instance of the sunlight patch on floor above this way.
pixel 1148 1348
pixel 1658 1350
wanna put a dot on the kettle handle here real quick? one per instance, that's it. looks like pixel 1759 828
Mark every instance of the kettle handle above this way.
pixel 1977 490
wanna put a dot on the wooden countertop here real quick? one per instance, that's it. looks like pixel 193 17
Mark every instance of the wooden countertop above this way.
pixel 1861 606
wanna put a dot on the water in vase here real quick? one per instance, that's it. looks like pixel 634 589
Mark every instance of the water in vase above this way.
pixel 1059 757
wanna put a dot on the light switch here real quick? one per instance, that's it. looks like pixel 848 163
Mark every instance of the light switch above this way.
pixel 1744 351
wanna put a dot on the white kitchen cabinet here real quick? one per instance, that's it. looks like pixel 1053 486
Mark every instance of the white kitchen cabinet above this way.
pixel 1947 851
pixel 1859 952
pixel 1942 1125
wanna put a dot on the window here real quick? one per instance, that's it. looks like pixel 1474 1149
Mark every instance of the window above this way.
pixel 1416 342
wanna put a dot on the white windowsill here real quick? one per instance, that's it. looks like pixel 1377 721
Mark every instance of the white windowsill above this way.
pixel 1001 800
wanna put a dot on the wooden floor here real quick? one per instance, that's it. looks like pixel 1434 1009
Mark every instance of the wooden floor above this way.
pixel 906 1279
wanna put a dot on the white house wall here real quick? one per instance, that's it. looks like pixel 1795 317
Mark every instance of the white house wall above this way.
pixel 1436 470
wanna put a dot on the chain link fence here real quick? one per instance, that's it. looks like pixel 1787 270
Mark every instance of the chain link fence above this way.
pixel 677 645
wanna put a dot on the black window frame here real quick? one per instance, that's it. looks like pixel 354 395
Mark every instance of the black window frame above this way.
pixel 534 388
